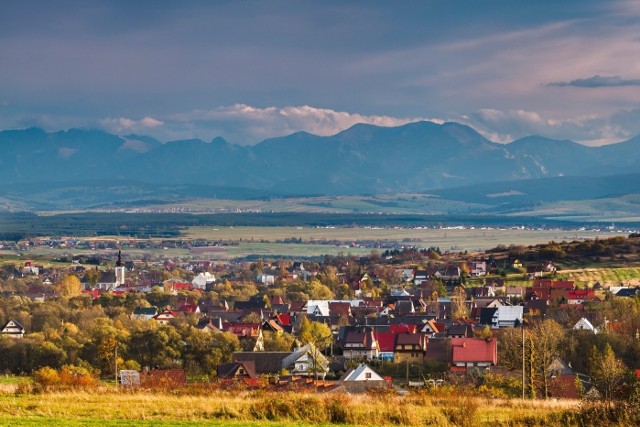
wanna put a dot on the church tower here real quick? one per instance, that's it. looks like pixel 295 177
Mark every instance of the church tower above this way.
pixel 119 271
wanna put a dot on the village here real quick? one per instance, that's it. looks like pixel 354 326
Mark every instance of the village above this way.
pixel 400 319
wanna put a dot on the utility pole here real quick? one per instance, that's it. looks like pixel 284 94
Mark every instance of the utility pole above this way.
pixel 523 366
pixel 116 366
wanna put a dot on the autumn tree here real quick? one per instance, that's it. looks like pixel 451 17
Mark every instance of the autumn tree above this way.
pixel 547 338
pixel 317 334
pixel 70 286
pixel 607 371
pixel 459 307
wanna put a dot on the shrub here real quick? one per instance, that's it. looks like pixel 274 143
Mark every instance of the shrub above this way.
pixel 69 377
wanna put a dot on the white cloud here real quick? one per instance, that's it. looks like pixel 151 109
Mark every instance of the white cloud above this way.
pixel 589 129
pixel 124 124
pixel 248 124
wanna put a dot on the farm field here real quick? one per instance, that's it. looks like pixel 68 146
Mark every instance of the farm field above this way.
pixel 268 241
pixel 447 239
pixel 282 409
pixel 628 276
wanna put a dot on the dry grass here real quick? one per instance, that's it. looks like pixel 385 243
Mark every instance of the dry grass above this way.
pixel 260 408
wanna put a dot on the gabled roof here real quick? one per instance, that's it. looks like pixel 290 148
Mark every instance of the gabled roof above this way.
pixel 360 374
pixel 366 338
pixel 233 370
pixel 418 339
pixel 13 324
pixel 266 362
pixel 145 311
pixel 309 350
pixel 486 315
pixel 386 341
pixel 584 324
pixel 474 350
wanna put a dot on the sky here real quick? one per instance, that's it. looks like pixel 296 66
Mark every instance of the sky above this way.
pixel 248 70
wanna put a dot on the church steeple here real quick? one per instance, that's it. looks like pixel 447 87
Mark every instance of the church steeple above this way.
pixel 119 270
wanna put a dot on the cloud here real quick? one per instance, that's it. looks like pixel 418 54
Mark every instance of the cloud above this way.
pixel 589 129
pixel 124 124
pixel 598 81
pixel 245 124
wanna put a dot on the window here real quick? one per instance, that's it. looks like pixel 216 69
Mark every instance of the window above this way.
pixel 367 375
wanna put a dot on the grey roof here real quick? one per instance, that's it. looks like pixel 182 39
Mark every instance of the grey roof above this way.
pixel 267 362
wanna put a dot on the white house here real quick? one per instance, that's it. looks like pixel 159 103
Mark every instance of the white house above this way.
pixel 13 329
pixel 306 361
pixel 202 280
pixel 584 325
pixel 506 316
pixel 361 373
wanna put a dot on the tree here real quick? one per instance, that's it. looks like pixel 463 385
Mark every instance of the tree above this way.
pixel 70 286
pixel 459 307
pixel 546 339
pixel 607 371
pixel 318 335
pixel 278 342
pixel 92 276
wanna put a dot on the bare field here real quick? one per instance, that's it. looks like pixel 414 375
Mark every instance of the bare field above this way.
pixel 454 239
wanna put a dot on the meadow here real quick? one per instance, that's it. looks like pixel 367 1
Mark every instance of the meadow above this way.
pixel 217 408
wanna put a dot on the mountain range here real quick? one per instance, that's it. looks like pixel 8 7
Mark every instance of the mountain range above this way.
pixel 364 159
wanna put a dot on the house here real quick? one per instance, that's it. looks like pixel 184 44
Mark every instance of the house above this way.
pixel 627 292
pixel 144 313
pixel 386 345
pixel 478 268
pixel 165 316
pixel 580 296
pixel 13 329
pixel 306 361
pixel 363 378
pixel 410 348
pixel 266 362
pixel 266 279
pixel 502 316
pixel 430 329
pixel 584 325
pixel 237 370
pixel 202 280
pixel 461 330
pixel 361 345
pixel 469 353
pixel 249 334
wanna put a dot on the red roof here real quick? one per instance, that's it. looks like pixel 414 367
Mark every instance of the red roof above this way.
pixel 581 294
pixel 556 284
pixel 283 319
pixel 386 341
pixel 474 350
pixel 397 329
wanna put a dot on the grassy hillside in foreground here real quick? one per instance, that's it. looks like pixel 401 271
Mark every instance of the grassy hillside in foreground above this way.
pixel 280 409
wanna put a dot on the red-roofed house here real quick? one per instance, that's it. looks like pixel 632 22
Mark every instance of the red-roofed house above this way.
pixel 386 345
pixel 396 329
pixel 580 296
pixel 165 316
pixel 473 352
pixel 555 284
